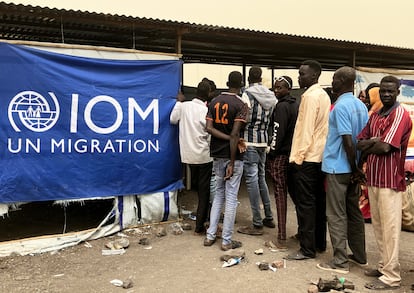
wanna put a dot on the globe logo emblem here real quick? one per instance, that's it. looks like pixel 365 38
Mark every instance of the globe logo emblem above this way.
pixel 36 112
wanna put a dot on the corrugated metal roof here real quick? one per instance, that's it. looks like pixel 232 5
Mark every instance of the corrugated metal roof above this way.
pixel 199 43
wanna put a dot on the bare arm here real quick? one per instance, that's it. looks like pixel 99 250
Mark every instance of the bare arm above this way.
pixel 217 133
pixel 176 111
pixel 357 173
pixel 234 140
pixel 374 146
pixel 371 146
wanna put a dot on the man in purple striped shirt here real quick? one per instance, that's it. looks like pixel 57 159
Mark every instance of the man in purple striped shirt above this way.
pixel 384 142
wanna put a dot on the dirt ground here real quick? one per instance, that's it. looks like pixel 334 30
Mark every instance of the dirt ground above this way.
pixel 180 263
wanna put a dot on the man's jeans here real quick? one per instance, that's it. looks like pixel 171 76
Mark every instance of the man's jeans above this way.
pixel 226 194
pixel 254 172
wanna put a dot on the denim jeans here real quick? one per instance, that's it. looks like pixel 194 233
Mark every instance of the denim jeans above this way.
pixel 226 195
pixel 254 173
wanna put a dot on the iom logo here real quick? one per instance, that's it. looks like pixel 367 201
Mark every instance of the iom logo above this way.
pixel 35 112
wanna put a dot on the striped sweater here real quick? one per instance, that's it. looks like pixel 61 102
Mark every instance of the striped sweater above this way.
pixel 261 103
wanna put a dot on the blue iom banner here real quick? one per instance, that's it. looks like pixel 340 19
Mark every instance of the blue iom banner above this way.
pixel 76 127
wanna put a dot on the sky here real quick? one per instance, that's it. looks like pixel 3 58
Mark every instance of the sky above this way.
pixel 380 22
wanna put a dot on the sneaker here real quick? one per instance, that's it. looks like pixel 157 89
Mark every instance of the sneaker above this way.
pixel 275 246
pixel 331 267
pixel 209 242
pixel 232 245
pixel 298 255
pixel 295 237
pixel 269 223
pixel 320 250
pixel 250 230
pixel 219 230
pixel 281 245
pixel 378 285
pixel 352 259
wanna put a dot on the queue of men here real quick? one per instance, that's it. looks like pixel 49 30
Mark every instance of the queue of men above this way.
pixel 312 150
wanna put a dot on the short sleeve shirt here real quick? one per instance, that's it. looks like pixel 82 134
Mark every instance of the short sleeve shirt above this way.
pixel 348 117
pixel 224 110
pixel 392 127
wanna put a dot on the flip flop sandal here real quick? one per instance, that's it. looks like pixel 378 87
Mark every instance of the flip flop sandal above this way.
pixel 296 256
pixel 379 285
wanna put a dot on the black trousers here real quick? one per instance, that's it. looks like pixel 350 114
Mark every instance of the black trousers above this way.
pixel 310 202
pixel 201 173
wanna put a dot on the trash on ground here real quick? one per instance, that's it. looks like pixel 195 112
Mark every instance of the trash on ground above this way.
pixel 263 266
pixel 117 244
pixel 272 268
pixel 185 212
pixel 124 284
pixel 334 284
pixel 240 254
pixel 313 289
pixel 113 251
pixel 144 241
pixel 186 226
pixel 144 230
pixel 176 229
pixel 188 214
pixel 279 264
pixel 87 244
pixel 259 251
pixel 58 275
pixel 127 284
pixel 270 244
pixel 161 232
pixel 134 231
pixel 231 262
pixel 121 243
pixel 110 245
pixel 117 282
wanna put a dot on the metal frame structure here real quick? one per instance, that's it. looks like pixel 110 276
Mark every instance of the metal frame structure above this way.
pixel 196 43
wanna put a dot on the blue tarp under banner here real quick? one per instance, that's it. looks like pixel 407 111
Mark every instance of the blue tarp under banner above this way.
pixel 75 127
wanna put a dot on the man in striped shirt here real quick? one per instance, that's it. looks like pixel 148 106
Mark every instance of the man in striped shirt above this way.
pixel 261 102
pixel 384 142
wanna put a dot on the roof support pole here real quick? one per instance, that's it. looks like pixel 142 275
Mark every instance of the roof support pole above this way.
pixel 61 30
pixel 244 73
pixel 133 36
pixel 178 40
pixel 353 58
pixel 178 43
